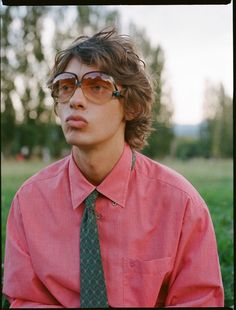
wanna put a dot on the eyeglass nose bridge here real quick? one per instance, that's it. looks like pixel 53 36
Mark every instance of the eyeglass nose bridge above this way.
pixel 78 84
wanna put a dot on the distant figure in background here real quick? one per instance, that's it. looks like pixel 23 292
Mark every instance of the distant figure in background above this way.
pixel 106 226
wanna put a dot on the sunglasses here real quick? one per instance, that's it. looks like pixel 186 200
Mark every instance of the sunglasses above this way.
pixel 96 86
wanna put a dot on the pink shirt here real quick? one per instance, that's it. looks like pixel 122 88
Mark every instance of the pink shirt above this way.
pixel 157 240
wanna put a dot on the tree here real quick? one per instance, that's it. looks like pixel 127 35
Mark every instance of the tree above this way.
pixel 159 142
pixel 7 109
pixel 24 67
pixel 216 132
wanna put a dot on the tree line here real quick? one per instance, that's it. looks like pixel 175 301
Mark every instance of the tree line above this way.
pixel 215 136
pixel 30 38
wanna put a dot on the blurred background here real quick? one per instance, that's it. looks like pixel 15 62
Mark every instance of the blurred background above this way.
pixel 187 48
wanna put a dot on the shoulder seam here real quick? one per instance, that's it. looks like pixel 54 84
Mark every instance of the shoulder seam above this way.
pixel 29 182
pixel 191 197
pixel 164 182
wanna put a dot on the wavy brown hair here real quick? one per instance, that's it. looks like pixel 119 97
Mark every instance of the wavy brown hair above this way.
pixel 117 56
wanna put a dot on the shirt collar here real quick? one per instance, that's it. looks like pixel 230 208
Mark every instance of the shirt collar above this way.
pixel 114 186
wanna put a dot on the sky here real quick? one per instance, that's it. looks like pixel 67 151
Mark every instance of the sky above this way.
pixel 198 45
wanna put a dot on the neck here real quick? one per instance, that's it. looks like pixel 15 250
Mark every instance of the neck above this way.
pixel 96 163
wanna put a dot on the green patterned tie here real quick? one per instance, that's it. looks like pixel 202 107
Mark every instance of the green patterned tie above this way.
pixel 92 283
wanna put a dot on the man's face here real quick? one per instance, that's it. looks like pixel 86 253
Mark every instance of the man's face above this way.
pixel 86 123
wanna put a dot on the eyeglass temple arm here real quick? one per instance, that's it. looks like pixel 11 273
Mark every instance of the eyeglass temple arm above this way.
pixel 117 93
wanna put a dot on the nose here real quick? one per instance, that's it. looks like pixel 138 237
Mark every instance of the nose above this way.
pixel 78 100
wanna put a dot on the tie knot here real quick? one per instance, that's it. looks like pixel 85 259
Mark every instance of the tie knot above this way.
pixel 90 200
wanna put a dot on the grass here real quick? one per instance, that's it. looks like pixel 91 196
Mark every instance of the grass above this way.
pixel 212 178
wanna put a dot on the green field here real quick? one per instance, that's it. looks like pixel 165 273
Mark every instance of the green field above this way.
pixel 212 178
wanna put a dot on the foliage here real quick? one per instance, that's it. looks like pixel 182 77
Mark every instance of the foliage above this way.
pixel 216 132
pixel 31 35
pixel 215 138
pixel 24 67
pixel 212 178
pixel 159 142
pixel 186 148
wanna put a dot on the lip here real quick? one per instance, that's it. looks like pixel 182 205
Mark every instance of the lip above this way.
pixel 76 121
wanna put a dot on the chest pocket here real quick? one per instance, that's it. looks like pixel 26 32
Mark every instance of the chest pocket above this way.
pixel 142 280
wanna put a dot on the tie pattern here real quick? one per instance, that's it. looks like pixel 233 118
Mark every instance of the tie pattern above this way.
pixel 92 283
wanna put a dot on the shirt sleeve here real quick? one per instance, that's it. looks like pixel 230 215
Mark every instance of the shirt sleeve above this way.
pixel 196 277
pixel 21 285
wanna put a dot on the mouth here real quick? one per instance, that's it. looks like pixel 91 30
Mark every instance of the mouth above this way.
pixel 76 121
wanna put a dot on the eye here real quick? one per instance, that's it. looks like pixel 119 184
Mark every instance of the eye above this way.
pixel 98 88
pixel 66 86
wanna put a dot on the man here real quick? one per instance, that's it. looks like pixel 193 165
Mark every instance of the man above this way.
pixel 107 226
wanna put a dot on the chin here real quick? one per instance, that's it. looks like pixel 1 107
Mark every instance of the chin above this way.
pixel 75 138
pixel 76 141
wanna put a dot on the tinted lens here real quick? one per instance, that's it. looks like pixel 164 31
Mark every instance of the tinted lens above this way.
pixel 97 87
pixel 64 87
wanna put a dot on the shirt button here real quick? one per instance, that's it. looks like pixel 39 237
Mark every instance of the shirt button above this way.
pixel 114 203
pixel 132 264
pixel 98 216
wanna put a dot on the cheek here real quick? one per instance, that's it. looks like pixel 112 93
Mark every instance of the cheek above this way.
pixel 61 113
pixel 117 112
pixel 106 121
pixel 62 116
pixel 112 117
